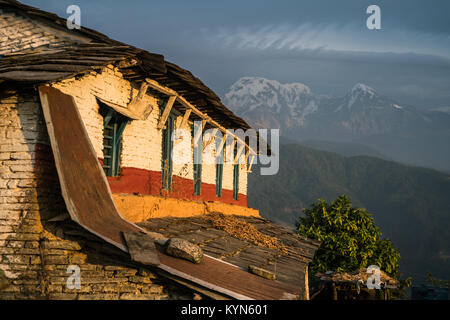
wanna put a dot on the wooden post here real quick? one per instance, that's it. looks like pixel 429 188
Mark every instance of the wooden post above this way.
pixel 334 295
pixel 199 133
pixel 238 153
pixel 222 143
pixel 166 112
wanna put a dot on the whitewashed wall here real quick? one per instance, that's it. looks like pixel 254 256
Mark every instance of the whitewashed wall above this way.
pixel 141 147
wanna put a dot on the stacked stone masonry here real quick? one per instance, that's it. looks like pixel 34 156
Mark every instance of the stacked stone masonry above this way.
pixel 18 33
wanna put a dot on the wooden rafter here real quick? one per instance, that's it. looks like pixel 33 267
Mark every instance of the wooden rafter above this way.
pixel 185 118
pixel 166 112
pixel 247 155
pixel 213 138
pixel 249 170
pixel 165 90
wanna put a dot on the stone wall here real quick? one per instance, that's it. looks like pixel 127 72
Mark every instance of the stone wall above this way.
pixel 37 240
pixel 18 33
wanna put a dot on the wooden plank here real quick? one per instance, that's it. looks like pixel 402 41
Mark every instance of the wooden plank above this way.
pixel 227 279
pixel 83 182
pixel 166 112
pixel 24 76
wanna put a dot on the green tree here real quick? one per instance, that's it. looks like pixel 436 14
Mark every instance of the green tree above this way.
pixel 349 238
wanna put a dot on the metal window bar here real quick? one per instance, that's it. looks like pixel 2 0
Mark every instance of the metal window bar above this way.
pixel 235 176
pixel 219 170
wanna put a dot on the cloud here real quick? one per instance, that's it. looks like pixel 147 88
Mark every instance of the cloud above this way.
pixel 348 37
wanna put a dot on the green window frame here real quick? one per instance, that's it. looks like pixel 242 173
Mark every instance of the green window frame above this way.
pixel 197 168
pixel 219 170
pixel 167 150
pixel 113 126
pixel 235 176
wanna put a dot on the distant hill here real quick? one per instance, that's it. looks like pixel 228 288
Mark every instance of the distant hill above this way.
pixel 347 149
pixel 410 204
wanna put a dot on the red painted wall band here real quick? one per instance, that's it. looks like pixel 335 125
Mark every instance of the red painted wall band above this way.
pixel 141 181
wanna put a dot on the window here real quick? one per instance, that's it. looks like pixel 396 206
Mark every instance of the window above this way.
pixel 219 169
pixel 197 161
pixel 113 125
pixel 235 176
pixel 167 149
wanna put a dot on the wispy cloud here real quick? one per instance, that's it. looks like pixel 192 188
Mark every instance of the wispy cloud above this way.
pixel 334 37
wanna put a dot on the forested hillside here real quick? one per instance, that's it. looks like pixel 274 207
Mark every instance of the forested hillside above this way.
pixel 410 204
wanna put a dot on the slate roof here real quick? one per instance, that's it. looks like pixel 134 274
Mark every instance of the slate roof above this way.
pixel 75 57
pixel 288 267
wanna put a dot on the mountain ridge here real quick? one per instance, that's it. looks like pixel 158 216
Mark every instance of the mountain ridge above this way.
pixel 362 116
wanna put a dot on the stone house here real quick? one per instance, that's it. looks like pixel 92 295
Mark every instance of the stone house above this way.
pixel 93 177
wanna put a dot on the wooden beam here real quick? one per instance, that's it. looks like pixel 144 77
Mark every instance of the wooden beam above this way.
pixel 165 90
pixel 249 170
pixel 247 154
pixel 166 112
pixel 185 118
pixel 213 138
pixel 142 90
pixel 138 106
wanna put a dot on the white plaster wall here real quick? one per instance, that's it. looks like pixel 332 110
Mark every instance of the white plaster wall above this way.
pixel 141 146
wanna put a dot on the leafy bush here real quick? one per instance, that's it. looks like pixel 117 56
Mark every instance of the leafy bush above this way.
pixel 349 238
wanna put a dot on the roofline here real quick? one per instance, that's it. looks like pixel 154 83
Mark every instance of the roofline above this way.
pixel 60 23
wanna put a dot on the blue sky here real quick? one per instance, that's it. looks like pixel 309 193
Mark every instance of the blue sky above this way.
pixel 322 43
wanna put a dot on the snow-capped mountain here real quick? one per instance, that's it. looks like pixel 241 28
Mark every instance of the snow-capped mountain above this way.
pixel 362 116
pixel 290 107
pixel 363 111
pixel 268 103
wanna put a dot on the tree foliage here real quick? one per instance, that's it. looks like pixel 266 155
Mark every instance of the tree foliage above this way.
pixel 349 238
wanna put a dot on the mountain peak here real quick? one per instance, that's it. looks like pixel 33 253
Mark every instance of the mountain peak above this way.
pixel 294 101
pixel 259 84
pixel 361 88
